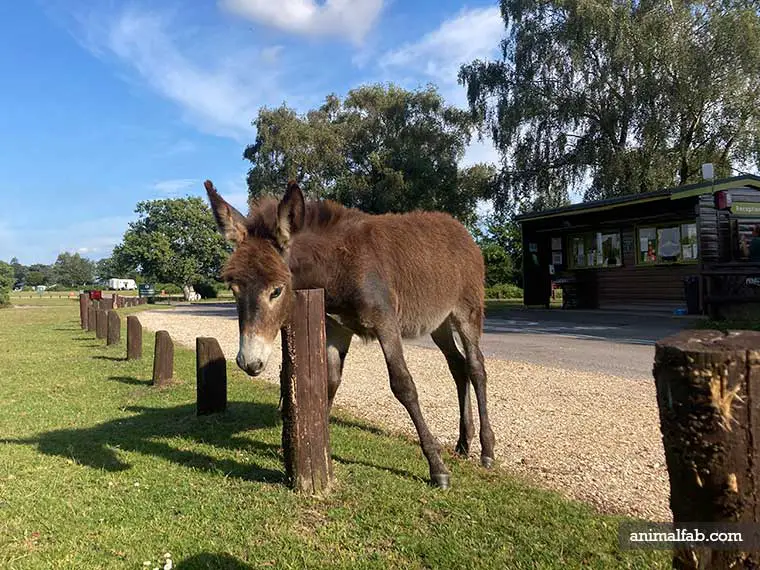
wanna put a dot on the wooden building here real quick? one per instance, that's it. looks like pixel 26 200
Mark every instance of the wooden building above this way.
pixel 686 247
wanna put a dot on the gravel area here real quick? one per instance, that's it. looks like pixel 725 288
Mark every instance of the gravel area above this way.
pixel 592 437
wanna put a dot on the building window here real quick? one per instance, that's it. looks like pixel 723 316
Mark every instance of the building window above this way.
pixel 748 231
pixel 596 249
pixel 672 243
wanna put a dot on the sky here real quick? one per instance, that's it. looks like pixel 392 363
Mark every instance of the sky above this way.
pixel 110 102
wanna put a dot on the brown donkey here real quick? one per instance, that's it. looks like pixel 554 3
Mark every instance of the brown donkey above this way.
pixel 385 277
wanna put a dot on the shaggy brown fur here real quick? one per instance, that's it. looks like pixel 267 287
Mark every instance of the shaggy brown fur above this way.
pixel 385 277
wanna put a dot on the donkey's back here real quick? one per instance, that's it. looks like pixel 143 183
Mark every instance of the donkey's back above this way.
pixel 426 265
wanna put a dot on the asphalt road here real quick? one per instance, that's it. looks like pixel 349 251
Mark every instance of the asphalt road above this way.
pixel 617 344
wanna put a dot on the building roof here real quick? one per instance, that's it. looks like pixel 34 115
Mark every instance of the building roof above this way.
pixel 675 193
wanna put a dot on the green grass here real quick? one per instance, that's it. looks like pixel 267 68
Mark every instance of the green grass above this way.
pixel 98 469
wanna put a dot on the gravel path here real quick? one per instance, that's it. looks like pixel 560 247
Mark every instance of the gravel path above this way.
pixel 592 437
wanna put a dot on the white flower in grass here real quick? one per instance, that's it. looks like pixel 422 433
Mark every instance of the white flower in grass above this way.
pixel 169 565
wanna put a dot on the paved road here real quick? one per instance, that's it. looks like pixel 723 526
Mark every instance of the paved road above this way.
pixel 611 343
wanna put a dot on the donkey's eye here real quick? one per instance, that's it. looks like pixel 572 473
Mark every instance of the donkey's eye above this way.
pixel 276 293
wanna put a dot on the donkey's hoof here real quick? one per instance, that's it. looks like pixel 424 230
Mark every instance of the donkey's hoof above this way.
pixel 486 462
pixel 440 480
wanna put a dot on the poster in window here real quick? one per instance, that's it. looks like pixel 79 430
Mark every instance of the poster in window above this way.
pixel 557 257
pixel 668 243
pixel 556 243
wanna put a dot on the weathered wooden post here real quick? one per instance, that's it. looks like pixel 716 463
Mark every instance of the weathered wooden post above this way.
pixel 83 303
pixel 91 317
pixel 101 324
pixel 708 394
pixel 211 377
pixel 134 338
pixel 303 383
pixel 113 335
pixel 163 359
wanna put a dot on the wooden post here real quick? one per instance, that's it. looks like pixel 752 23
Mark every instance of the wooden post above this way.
pixel 211 377
pixel 101 324
pixel 91 318
pixel 303 383
pixel 163 359
pixel 134 338
pixel 707 393
pixel 114 328
pixel 83 310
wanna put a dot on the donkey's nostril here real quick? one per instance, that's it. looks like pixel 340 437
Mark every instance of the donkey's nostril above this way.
pixel 240 361
pixel 255 367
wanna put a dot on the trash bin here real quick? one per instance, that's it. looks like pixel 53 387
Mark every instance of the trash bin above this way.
pixel 691 292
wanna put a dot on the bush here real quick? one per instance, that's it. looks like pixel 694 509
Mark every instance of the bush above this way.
pixel 206 288
pixel 6 282
pixel 168 288
pixel 504 291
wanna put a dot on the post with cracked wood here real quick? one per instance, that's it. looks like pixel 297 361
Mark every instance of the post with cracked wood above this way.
pixel 83 313
pixel 707 393
pixel 163 359
pixel 134 338
pixel 113 334
pixel 303 386
pixel 211 377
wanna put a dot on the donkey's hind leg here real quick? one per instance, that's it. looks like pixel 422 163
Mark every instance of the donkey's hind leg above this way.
pixel 338 342
pixel 443 337
pixel 469 332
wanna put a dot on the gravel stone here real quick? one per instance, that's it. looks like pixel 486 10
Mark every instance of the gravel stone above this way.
pixel 590 437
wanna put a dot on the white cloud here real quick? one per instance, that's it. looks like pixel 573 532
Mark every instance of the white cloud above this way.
pixel 438 55
pixel 92 238
pixel 172 187
pixel 218 81
pixel 351 19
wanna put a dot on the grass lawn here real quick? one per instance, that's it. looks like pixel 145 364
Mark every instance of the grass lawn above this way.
pixel 100 470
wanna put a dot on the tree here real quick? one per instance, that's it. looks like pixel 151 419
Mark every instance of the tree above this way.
pixel 381 149
pixel 19 271
pixel 173 241
pixel 618 97
pixel 6 282
pixel 73 270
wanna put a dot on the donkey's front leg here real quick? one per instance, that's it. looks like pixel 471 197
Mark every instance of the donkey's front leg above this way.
pixel 338 342
pixel 405 391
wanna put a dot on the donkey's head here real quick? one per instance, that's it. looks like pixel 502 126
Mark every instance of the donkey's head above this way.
pixel 257 271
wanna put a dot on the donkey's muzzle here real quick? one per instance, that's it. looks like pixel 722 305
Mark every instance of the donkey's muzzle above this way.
pixel 252 368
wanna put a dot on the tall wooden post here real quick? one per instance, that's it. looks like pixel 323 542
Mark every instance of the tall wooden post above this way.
pixel 101 324
pixel 91 317
pixel 163 359
pixel 708 387
pixel 211 377
pixel 114 328
pixel 134 338
pixel 303 382
pixel 83 299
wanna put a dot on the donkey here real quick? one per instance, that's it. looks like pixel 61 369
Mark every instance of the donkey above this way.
pixel 385 277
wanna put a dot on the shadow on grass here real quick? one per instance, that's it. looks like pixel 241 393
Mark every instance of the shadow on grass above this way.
pixel 131 380
pixel 208 561
pixel 338 421
pixel 112 358
pixel 94 447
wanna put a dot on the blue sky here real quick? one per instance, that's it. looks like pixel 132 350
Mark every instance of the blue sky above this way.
pixel 109 102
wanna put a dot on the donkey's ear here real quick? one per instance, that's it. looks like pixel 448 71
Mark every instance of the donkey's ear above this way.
pixel 290 214
pixel 231 222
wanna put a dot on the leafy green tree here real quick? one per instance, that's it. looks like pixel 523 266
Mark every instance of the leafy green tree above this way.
pixel 173 241
pixel 73 270
pixel 381 149
pixel 6 282
pixel 618 97
pixel 19 270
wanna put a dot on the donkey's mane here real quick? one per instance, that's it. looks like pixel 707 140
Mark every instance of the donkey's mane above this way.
pixel 319 215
